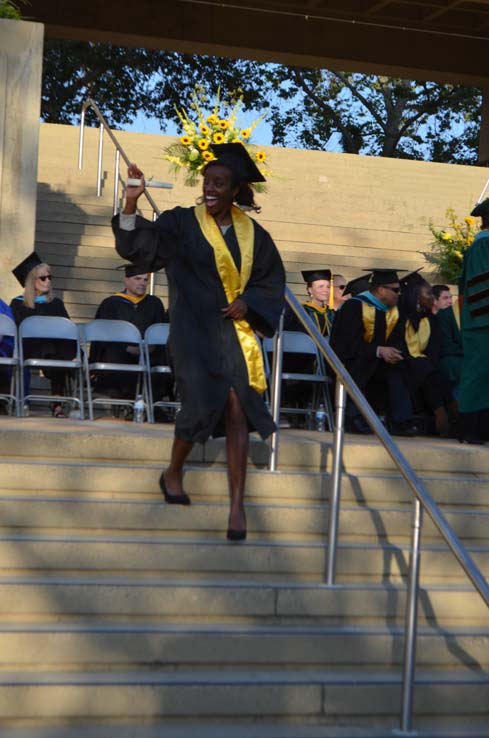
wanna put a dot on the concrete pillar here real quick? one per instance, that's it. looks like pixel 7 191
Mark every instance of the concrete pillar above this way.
pixel 484 131
pixel 21 46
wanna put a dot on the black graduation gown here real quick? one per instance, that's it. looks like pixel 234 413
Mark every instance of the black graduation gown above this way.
pixel 424 373
pixel 207 355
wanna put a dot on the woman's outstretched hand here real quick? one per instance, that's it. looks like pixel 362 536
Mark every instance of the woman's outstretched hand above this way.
pixel 132 192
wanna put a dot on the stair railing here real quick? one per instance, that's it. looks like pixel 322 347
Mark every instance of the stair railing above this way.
pixel 119 153
pixel 422 498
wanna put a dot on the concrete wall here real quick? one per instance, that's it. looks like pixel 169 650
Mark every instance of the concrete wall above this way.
pixel 20 93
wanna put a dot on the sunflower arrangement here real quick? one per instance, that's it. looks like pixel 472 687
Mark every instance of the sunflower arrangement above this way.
pixel 201 129
pixel 450 244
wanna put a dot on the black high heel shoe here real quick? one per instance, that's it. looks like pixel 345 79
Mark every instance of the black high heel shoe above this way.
pixel 182 499
pixel 236 535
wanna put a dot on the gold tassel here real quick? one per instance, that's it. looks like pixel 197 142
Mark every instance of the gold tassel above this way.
pixel 331 293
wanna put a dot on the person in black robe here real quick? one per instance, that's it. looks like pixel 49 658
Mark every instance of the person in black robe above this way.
pixel 38 299
pixel 368 337
pixel 135 306
pixel 226 281
pixel 429 389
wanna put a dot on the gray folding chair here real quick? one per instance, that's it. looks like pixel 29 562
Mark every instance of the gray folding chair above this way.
pixel 51 327
pixel 296 342
pixel 11 364
pixel 157 335
pixel 113 331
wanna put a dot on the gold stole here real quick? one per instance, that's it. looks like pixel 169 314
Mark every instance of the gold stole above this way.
pixel 130 298
pixel 234 283
pixel 456 312
pixel 417 341
pixel 321 311
pixel 368 318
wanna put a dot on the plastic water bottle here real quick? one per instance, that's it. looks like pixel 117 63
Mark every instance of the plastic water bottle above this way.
pixel 321 419
pixel 139 409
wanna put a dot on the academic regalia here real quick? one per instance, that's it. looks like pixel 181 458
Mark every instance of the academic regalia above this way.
pixel 46 348
pixel 212 354
pixel 360 327
pixel 451 350
pixel 141 312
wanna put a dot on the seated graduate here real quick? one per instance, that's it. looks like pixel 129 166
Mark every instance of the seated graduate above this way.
pixel 318 283
pixel 38 299
pixel 451 347
pixel 442 298
pixel 368 337
pixel 423 341
pixel 135 306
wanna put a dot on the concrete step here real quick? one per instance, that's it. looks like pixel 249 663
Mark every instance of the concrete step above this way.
pixel 135 694
pixel 43 596
pixel 166 646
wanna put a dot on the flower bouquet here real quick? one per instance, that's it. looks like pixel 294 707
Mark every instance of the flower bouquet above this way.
pixel 450 244
pixel 201 129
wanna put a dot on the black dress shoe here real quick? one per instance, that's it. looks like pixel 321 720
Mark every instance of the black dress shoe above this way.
pixel 182 499
pixel 406 429
pixel 236 535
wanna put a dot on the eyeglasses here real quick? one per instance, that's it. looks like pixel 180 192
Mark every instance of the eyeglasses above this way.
pixel 340 286
pixel 43 277
pixel 392 289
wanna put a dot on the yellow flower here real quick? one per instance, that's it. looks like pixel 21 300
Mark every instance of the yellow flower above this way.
pixel 446 236
pixel 260 156
pixel 223 124
pixel 245 133
pixel 236 141
pixel 203 144
pixel 470 240
pixel 212 119
pixel 470 221
pixel 458 254
pixel 185 140
pixel 218 138
pixel 204 129
pixel 208 156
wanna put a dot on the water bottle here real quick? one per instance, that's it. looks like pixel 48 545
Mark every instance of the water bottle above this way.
pixel 139 409
pixel 321 419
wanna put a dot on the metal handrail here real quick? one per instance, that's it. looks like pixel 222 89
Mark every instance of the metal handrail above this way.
pixel 119 152
pixel 422 498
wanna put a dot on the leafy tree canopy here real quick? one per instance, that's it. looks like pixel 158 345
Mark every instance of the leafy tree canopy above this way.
pixel 9 9
pixel 367 114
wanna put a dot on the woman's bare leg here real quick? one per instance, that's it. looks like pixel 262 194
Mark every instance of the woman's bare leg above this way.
pixel 237 454
pixel 171 481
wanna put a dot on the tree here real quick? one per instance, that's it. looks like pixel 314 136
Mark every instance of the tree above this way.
pixel 369 114
pixel 10 10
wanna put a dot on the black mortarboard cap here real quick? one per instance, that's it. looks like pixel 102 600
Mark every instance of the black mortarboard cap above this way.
pixel 27 265
pixel 413 278
pixel 236 157
pixel 482 208
pixel 132 270
pixel 357 285
pixel 312 275
pixel 383 276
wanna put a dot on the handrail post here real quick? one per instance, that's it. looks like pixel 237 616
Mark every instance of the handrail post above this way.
pixel 276 391
pixel 411 620
pixel 116 182
pixel 335 488
pixel 81 139
pixel 99 160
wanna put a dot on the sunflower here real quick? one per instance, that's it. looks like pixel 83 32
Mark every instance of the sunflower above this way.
pixel 245 133
pixel 218 138
pixel 212 119
pixel 204 129
pixel 203 144
pixel 260 156
pixel 223 124
pixel 185 140
pixel 208 156
pixel 236 141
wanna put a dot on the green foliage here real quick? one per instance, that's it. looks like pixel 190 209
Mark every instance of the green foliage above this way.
pixel 10 10
pixel 450 244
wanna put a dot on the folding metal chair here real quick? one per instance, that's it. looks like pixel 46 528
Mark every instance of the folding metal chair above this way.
pixel 11 363
pixel 157 335
pixel 296 342
pixel 51 327
pixel 114 331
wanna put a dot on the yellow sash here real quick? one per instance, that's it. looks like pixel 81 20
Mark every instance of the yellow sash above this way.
pixel 234 283
pixel 456 312
pixel 417 341
pixel 368 318
pixel 130 298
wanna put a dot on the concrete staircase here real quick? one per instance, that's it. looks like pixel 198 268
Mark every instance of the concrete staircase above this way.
pixel 121 615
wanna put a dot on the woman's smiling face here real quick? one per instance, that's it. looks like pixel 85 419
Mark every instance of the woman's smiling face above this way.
pixel 218 190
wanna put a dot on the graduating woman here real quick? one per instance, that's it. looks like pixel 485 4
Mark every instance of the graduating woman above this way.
pixel 226 281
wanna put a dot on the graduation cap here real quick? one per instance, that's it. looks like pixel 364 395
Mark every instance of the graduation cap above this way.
pixel 22 270
pixel 132 270
pixel 236 158
pixel 383 276
pixel 357 285
pixel 413 279
pixel 481 209
pixel 312 275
